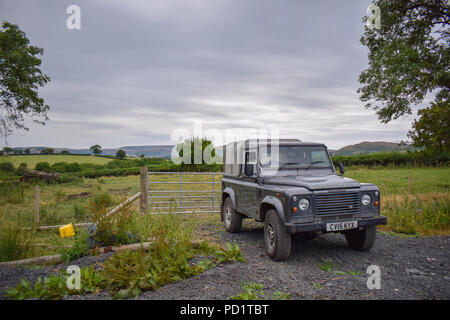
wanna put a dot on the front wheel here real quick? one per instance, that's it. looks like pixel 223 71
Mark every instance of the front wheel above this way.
pixel 362 240
pixel 278 242
pixel 232 220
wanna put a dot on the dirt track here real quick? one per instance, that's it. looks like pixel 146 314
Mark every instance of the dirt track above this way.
pixel 411 268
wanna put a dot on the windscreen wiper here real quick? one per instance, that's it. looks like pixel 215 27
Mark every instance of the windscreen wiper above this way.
pixel 313 163
pixel 288 164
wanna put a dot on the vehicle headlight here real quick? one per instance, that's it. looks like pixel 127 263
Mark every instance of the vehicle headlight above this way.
pixel 303 204
pixel 365 199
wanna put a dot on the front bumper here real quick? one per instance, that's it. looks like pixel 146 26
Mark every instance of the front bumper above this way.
pixel 322 226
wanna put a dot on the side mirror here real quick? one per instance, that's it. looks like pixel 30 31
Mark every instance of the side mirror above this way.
pixel 248 170
pixel 341 168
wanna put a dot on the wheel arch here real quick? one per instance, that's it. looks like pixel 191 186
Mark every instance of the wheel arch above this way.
pixel 270 202
pixel 227 193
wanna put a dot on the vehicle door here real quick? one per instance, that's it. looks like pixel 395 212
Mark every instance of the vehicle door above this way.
pixel 249 186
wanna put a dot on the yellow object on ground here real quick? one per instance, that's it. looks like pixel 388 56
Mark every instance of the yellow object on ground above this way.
pixel 67 231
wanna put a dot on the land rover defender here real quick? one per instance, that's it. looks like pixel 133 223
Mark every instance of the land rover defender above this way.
pixel 298 193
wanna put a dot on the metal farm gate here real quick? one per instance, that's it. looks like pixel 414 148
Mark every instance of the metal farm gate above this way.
pixel 184 192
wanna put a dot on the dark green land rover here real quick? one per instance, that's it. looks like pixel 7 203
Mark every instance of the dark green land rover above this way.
pixel 293 187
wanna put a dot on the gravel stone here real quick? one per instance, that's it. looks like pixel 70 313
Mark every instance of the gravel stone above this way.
pixel 407 272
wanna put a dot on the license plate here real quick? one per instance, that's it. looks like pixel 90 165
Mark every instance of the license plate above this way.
pixel 339 226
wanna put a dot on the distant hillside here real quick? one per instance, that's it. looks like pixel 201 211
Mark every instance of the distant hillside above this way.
pixel 131 151
pixel 162 151
pixel 371 147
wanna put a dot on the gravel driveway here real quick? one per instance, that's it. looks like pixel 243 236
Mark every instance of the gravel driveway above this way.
pixel 324 268
pixel 411 268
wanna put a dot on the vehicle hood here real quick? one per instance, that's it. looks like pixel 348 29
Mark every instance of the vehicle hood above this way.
pixel 314 182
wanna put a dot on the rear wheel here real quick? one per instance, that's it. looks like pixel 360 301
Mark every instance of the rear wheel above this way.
pixel 362 240
pixel 232 220
pixel 278 242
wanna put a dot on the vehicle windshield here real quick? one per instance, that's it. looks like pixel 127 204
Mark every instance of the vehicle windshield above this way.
pixel 293 157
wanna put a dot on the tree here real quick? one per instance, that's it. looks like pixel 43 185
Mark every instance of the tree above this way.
pixel 20 77
pixel 48 151
pixel 42 166
pixel 64 152
pixel 432 129
pixel 96 149
pixel 7 150
pixel 27 151
pixel 192 144
pixel 6 167
pixel 408 57
pixel 121 154
pixel 21 168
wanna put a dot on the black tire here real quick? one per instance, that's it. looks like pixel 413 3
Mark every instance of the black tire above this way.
pixel 311 235
pixel 232 220
pixel 362 240
pixel 278 242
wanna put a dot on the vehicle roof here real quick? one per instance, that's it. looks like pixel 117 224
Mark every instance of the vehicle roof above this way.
pixel 233 153
pixel 280 142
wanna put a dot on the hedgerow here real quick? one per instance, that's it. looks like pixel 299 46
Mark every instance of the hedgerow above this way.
pixel 118 168
pixel 407 159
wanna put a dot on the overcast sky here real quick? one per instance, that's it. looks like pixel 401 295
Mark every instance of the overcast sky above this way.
pixel 138 70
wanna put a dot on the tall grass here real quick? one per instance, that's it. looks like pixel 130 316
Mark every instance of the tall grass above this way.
pixel 79 249
pixel 112 228
pixel 15 194
pixel 417 213
pixel 79 212
pixel 14 244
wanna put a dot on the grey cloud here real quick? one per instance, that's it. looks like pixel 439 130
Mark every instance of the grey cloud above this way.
pixel 137 70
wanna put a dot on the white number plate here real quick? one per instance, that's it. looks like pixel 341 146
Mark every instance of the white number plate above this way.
pixel 339 226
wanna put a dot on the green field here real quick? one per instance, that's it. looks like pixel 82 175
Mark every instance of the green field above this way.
pixel 396 180
pixel 425 210
pixel 33 159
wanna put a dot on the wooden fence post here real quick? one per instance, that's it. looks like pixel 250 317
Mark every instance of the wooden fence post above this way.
pixel 36 205
pixel 144 189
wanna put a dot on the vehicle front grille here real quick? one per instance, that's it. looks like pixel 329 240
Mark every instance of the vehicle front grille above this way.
pixel 335 217
pixel 337 202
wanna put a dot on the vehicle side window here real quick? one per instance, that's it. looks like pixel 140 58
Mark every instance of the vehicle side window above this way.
pixel 250 158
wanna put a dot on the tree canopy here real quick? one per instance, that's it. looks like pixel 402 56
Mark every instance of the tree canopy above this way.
pixel 96 149
pixel 432 130
pixel 48 151
pixel 121 154
pixel 408 57
pixel 7 150
pixel 195 146
pixel 20 78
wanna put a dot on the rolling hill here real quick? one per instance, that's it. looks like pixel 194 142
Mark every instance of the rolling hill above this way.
pixel 164 151
pixel 371 147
